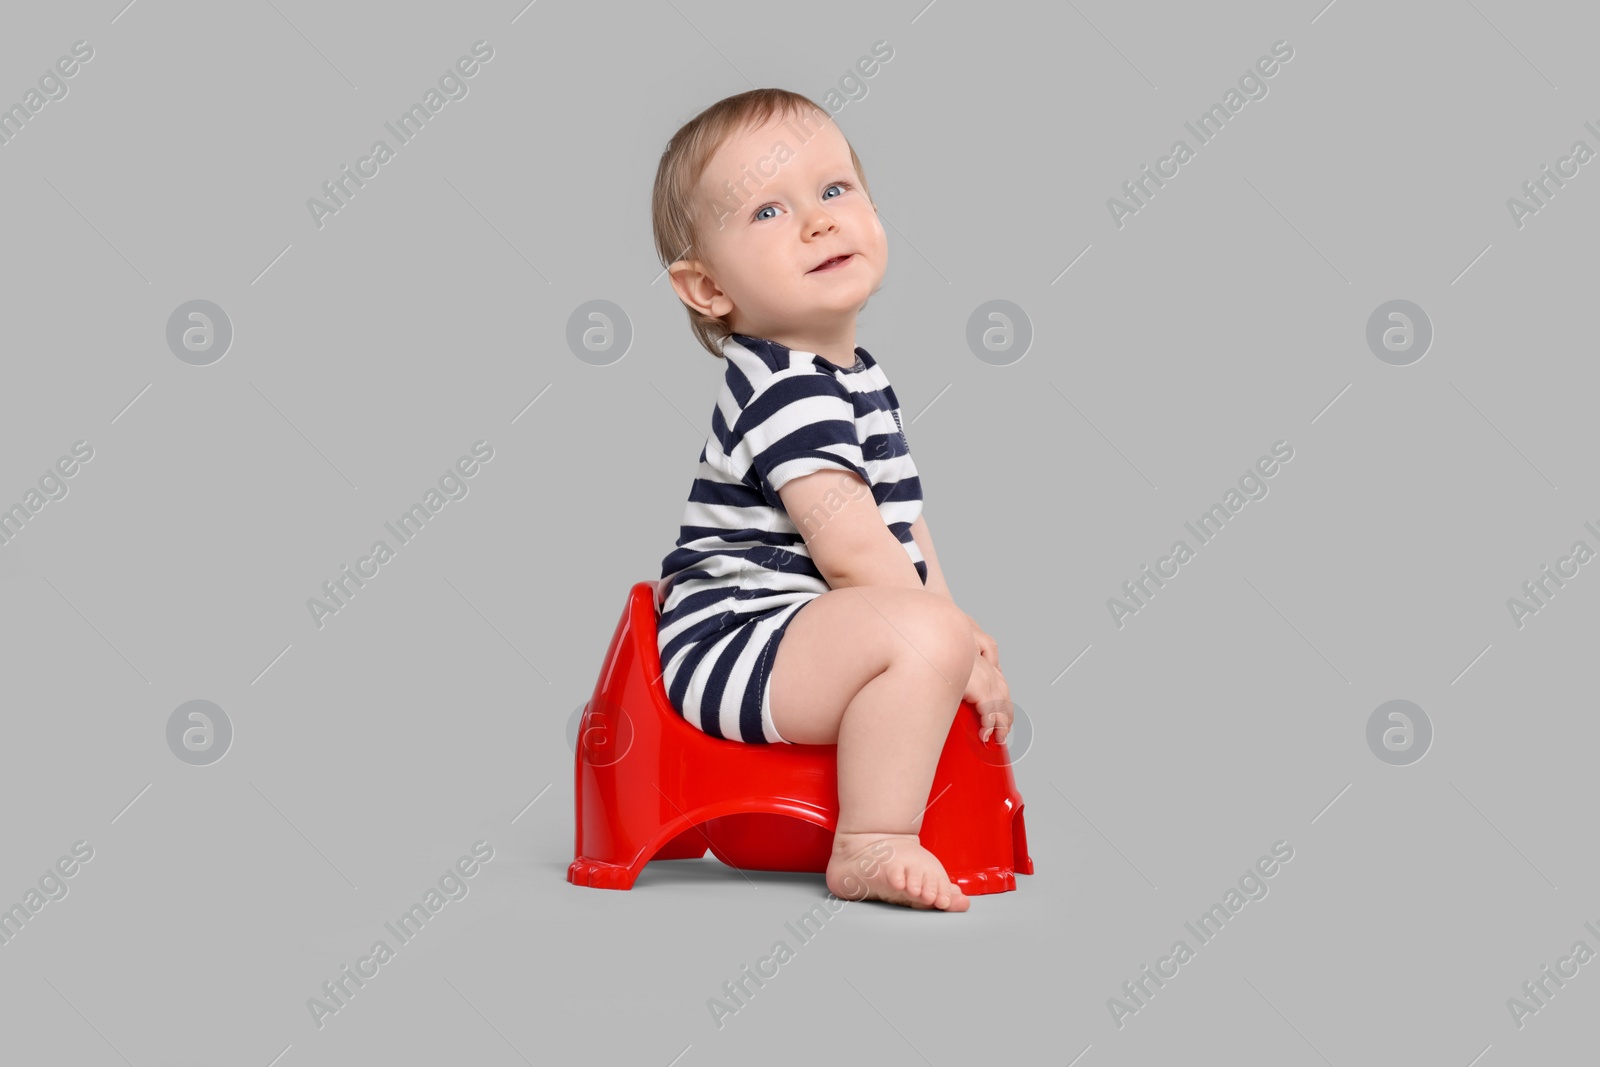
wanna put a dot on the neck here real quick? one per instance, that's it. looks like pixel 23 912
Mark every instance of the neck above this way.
pixel 837 347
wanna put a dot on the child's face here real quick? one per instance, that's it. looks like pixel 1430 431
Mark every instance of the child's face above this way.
pixel 771 209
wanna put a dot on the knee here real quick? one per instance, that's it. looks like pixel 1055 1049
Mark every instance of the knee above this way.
pixel 937 633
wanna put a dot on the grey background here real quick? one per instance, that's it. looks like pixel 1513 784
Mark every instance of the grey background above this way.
pixel 370 354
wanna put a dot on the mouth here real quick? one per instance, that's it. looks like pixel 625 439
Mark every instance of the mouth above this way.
pixel 832 264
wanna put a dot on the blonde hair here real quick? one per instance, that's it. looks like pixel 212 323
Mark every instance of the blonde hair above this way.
pixel 684 161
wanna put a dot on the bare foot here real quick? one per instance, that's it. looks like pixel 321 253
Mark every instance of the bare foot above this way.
pixel 891 867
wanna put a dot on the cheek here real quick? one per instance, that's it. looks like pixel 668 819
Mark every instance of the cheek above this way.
pixel 874 226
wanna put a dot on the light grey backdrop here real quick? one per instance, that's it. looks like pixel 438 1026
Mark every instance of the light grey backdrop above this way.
pixel 1170 350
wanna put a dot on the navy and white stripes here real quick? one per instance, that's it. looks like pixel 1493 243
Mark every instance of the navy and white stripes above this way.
pixel 740 569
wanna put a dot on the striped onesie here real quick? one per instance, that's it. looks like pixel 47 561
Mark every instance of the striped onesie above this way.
pixel 741 569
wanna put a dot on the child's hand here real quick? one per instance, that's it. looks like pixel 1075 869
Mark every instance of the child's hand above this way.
pixel 987 691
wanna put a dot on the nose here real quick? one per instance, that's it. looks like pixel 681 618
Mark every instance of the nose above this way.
pixel 820 222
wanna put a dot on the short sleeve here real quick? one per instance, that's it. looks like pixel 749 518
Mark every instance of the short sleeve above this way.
pixel 797 424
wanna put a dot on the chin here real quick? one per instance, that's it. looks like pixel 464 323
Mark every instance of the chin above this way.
pixel 848 303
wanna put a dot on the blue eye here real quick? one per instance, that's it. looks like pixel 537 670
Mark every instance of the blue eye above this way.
pixel 831 185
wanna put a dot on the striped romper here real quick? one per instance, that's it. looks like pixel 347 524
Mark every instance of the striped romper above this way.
pixel 741 569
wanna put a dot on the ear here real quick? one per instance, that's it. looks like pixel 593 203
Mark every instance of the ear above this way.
pixel 698 289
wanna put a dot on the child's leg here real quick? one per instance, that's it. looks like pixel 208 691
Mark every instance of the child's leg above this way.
pixel 879 671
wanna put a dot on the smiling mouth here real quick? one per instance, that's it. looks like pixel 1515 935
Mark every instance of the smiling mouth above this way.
pixel 836 261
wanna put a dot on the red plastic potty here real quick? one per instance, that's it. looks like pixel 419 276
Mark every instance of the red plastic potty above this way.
pixel 649 786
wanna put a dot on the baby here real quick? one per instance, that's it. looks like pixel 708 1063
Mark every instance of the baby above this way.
pixel 804 603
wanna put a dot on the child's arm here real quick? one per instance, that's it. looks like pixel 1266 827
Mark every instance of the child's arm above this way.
pixel 920 533
pixel 844 532
pixel 924 540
